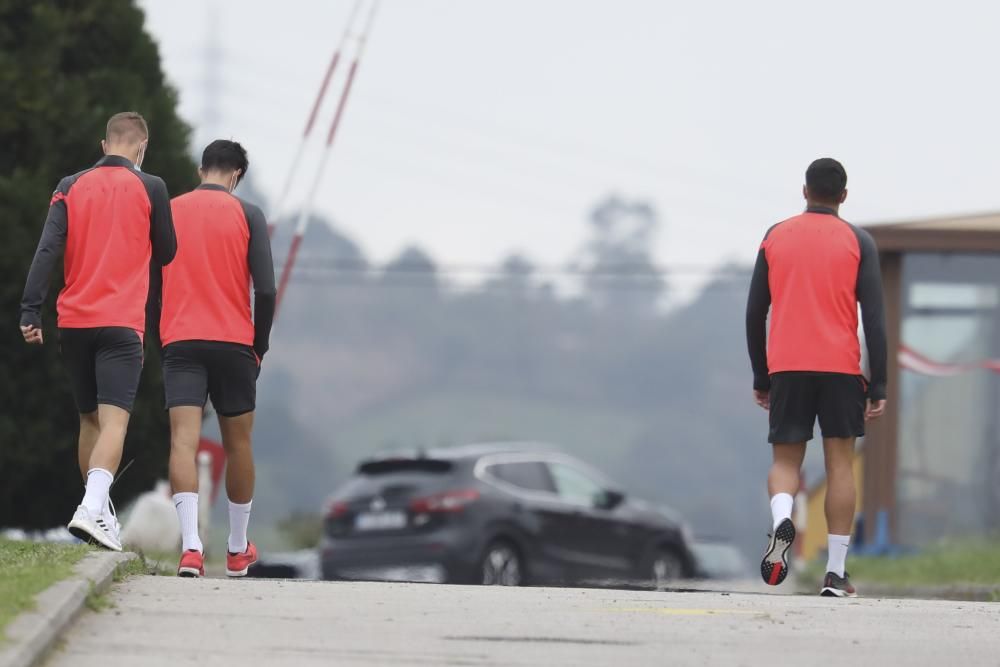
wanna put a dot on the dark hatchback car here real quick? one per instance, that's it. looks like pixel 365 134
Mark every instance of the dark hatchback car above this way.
pixel 498 515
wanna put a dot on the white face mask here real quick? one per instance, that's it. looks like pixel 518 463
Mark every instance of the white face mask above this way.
pixel 234 181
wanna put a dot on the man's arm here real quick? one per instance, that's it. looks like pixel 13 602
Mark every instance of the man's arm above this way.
pixel 50 246
pixel 758 303
pixel 869 293
pixel 154 304
pixel 161 220
pixel 262 271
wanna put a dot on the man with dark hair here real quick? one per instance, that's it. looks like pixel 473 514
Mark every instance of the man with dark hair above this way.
pixel 212 347
pixel 111 219
pixel 812 272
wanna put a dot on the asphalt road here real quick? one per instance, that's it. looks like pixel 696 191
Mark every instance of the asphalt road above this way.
pixel 172 622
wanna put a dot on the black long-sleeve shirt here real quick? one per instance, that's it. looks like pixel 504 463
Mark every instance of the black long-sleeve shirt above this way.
pixel 812 272
pixel 205 292
pixel 110 220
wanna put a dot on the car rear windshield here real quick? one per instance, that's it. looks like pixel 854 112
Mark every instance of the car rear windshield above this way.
pixel 387 466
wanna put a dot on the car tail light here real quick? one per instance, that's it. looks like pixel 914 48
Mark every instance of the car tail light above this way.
pixel 336 509
pixel 449 501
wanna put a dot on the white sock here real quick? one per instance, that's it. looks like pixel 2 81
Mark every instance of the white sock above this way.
pixel 781 508
pixel 837 553
pixel 98 486
pixel 239 518
pixel 187 511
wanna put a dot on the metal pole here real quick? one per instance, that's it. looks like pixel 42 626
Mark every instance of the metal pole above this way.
pixel 304 215
pixel 279 209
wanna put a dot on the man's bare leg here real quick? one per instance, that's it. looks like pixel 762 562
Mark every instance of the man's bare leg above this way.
pixel 92 522
pixel 237 441
pixel 90 428
pixel 105 455
pixel 240 476
pixel 841 499
pixel 783 483
pixel 185 433
pixel 785 479
pixel 786 470
pixel 112 424
pixel 841 494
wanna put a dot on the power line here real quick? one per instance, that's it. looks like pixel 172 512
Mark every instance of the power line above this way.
pixel 335 265
pixel 358 281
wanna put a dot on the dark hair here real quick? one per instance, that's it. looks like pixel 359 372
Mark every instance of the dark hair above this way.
pixel 127 126
pixel 225 155
pixel 826 180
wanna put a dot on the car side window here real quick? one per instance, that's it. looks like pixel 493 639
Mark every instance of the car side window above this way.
pixel 526 475
pixel 574 486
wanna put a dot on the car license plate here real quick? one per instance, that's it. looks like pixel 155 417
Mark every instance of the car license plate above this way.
pixel 380 521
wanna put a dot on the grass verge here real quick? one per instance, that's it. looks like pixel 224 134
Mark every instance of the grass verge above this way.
pixel 27 569
pixel 159 564
pixel 975 562
pixel 137 566
pixel 132 568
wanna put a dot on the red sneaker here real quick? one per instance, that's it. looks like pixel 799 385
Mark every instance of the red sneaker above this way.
pixel 192 564
pixel 238 564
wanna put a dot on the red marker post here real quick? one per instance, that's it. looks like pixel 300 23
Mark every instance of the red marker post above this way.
pixel 279 209
pixel 304 215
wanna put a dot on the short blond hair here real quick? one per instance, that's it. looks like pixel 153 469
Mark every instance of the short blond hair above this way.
pixel 127 127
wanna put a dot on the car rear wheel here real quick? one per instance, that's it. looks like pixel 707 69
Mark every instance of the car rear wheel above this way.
pixel 501 565
pixel 665 569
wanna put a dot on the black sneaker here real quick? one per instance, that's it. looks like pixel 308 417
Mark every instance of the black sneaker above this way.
pixel 838 587
pixel 774 565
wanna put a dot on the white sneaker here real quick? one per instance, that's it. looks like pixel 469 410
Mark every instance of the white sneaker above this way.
pixel 101 531
pixel 110 517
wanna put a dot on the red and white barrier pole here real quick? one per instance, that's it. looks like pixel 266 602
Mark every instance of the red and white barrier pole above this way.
pixel 304 215
pixel 279 209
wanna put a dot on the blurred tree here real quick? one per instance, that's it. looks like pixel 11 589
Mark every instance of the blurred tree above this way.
pixel 328 260
pixel 65 68
pixel 620 272
pixel 515 279
pixel 412 267
pixel 323 247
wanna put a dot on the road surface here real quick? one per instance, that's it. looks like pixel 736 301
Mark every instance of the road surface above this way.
pixel 174 622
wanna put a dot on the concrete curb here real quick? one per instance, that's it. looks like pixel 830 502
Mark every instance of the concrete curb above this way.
pixel 32 634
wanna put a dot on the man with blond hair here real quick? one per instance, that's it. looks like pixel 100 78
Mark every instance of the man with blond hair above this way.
pixel 111 220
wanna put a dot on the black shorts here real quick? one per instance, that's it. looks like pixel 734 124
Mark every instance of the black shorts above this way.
pixel 195 370
pixel 798 399
pixel 104 365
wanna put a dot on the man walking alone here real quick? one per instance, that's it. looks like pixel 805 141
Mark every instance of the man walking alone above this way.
pixel 111 220
pixel 212 346
pixel 812 272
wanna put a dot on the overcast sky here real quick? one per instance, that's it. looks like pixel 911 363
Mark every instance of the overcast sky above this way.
pixel 480 127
